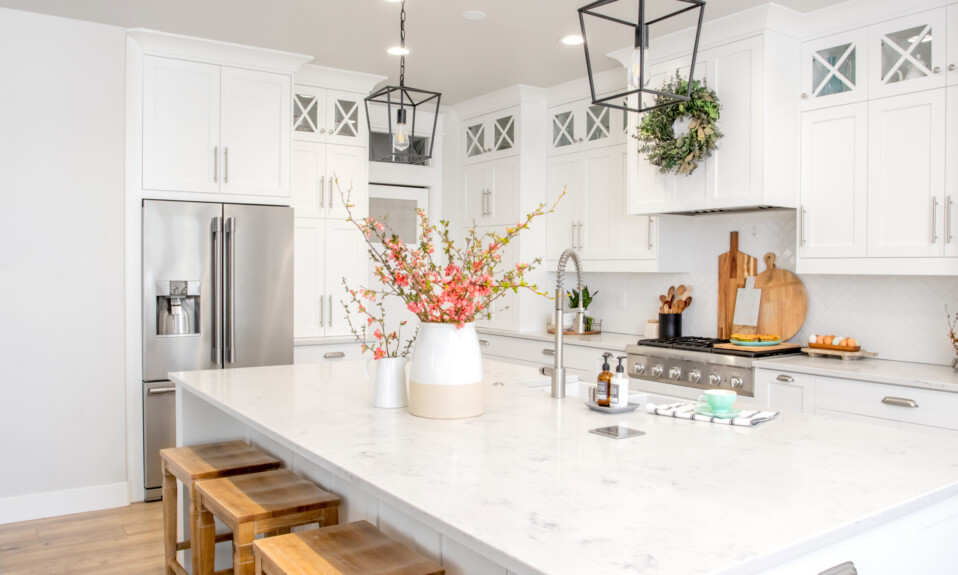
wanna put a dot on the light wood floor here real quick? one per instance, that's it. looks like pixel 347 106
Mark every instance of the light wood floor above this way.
pixel 127 540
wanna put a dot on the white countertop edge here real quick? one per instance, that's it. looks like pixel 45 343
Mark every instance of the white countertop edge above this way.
pixel 493 553
pixel 847 370
pixel 303 341
pixel 838 534
pixel 599 341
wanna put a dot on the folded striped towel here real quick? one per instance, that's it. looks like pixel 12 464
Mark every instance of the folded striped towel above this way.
pixel 684 410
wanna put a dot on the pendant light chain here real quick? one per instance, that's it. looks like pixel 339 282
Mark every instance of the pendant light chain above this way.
pixel 402 45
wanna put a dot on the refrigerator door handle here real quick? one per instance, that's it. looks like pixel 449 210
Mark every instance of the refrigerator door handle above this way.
pixel 230 281
pixel 216 352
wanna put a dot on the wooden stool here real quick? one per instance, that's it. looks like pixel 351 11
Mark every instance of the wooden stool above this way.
pixel 193 464
pixel 267 502
pixel 352 549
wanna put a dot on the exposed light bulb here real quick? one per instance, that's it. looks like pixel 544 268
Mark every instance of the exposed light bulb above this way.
pixel 634 71
pixel 400 135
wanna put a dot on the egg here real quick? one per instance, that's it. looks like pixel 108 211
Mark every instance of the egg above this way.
pixel 838 340
pixel 828 339
pixel 851 342
pixel 813 338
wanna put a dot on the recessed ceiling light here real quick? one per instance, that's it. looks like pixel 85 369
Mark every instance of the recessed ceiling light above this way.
pixel 473 15
pixel 398 51
pixel 571 40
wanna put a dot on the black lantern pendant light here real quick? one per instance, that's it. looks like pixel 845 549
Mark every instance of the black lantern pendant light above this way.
pixel 636 72
pixel 401 104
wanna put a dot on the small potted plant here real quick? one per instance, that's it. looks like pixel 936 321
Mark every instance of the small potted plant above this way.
pixel 586 298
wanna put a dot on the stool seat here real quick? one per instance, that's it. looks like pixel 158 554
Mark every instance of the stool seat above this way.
pixel 260 496
pixel 257 503
pixel 216 460
pixel 195 464
pixel 357 548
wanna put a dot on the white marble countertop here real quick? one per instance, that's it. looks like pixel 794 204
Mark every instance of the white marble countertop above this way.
pixel 604 340
pixel 557 499
pixel 922 375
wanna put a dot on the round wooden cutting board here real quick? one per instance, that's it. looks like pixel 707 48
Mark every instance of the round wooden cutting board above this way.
pixel 784 302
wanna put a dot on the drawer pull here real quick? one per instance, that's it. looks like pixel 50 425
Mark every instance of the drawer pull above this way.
pixel 785 378
pixel 899 401
pixel 548 351
pixel 333 355
pixel 484 342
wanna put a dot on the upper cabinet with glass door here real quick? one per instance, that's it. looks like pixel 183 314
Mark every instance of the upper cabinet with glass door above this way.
pixel 491 136
pixel 908 54
pixel 582 125
pixel 834 70
pixel 328 116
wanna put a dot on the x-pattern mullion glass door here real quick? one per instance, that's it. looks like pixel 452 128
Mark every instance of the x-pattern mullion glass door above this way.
pixel 598 123
pixel 833 70
pixel 908 54
pixel 345 117
pixel 563 128
pixel 475 139
pixel 308 104
pixel 504 132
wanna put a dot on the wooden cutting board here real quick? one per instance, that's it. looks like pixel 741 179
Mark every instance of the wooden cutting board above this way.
pixel 784 302
pixel 778 347
pixel 734 266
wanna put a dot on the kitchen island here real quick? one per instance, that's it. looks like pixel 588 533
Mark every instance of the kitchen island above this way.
pixel 525 488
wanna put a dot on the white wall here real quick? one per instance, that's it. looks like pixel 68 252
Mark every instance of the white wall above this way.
pixel 900 317
pixel 62 412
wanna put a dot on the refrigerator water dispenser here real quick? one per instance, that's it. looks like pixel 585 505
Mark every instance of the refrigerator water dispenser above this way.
pixel 177 308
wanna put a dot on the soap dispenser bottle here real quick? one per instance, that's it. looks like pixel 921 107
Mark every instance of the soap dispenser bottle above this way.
pixel 619 386
pixel 603 381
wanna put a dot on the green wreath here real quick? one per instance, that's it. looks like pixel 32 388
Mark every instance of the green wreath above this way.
pixel 656 132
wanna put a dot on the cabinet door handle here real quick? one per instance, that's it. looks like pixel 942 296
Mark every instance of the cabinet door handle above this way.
pixel 216 163
pixel 332 182
pixel 330 310
pixel 322 311
pixel 936 70
pixel 484 342
pixel 226 165
pixel 548 351
pixel 785 378
pixel 948 236
pixel 160 390
pixel 573 235
pixel 580 236
pixel 951 67
pixel 333 355
pixel 651 221
pixel 899 401
pixel 801 224
pixel 804 96
pixel 322 187
pixel 934 220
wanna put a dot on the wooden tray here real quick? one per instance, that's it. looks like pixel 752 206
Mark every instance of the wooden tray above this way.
pixel 573 332
pixel 778 347
pixel 845 355
pixel 835 347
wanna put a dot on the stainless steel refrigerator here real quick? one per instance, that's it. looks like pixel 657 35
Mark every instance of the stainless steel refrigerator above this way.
pixel 217 293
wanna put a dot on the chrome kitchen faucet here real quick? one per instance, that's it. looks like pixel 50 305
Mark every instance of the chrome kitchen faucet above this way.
pixel 558 371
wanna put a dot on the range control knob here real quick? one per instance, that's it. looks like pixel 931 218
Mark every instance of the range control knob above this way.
pixel 657 370
pixel 675 373
pixel 737 382
pixel 638 368
pixel 695 375
pixel 715 379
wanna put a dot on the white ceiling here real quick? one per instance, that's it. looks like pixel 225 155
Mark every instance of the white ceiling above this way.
pixel 516 43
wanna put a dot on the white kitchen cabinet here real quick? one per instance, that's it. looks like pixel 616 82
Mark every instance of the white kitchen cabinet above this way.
pixel 582 125
pixel 491 192
pixel 593 217
pixel 834 190
pixel 951 168
pixel 326 251
pixel 491 136
pixel 215 129
pixel 756 162
pixel 789 391
pixel 327 352
pixel 329 116
pixel 320 172
pixel 835 70
pixel 906 175
pixel 908 54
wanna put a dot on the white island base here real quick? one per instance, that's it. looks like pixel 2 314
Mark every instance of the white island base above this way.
pixel 525 488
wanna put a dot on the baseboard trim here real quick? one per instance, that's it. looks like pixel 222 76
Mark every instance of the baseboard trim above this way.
pixel 66 502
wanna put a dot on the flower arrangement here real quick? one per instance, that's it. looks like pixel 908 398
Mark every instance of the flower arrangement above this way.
pixel 952 326
pixel 438 281
pixel 388 343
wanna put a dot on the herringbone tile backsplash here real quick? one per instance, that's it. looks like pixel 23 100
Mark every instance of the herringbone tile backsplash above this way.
pixel 899 317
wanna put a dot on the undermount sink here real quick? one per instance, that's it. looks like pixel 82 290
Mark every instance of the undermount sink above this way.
pixel 577 389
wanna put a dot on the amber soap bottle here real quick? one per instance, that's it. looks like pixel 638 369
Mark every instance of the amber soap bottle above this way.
pixel 605 377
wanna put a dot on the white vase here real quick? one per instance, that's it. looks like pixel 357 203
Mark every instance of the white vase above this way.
pixel 445 380
pixel 389 381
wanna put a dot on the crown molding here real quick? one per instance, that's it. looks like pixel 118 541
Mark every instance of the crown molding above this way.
pixel 224 53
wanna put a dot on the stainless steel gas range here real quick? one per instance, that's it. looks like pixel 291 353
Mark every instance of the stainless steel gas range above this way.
pixel 683 366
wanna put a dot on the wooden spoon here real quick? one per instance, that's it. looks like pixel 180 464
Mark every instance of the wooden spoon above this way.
pixel 662 299
pixel 681 291
pixel 688 301
pixel 671 293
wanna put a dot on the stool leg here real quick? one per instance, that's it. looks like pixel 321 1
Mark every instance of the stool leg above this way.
pixel 204 542
pixel 195 528
pixel 243 537
pixel 169 519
